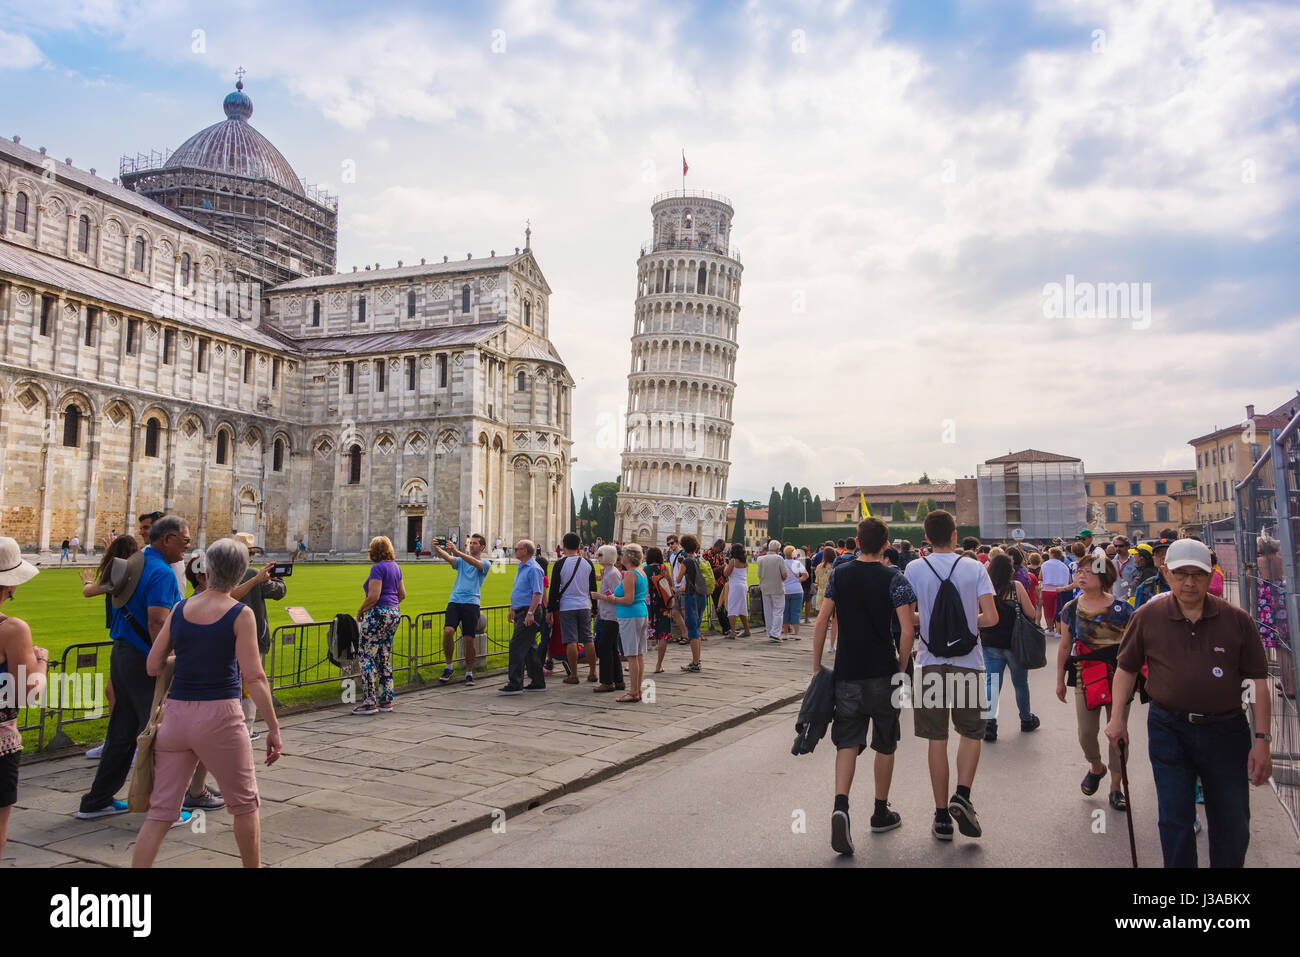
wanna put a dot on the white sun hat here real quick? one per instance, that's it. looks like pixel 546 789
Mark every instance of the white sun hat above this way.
pixel 13 569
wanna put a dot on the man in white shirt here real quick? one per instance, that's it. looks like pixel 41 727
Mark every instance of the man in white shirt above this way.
pixel 951 684
pixel 678 615
pixel 1055 574
pixel 772 573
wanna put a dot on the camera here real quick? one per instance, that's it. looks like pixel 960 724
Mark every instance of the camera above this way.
pixel 440 542
pixel 282 569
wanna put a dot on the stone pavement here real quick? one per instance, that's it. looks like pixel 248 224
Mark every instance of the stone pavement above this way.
pixel 376 791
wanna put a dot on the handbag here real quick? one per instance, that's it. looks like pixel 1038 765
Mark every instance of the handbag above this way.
pixel 1028 643
pixel 137 798
pixel 1096 677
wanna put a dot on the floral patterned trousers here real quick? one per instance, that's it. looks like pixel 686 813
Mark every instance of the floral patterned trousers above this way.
pixel 377 626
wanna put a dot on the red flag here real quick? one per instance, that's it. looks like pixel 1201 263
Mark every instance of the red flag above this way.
pixel 685 168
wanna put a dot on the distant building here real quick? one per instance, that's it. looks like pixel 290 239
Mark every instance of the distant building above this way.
pixel 1137 504
pixel 755 525
pixel 1224 456
pixel 1039 492
pixel 881 498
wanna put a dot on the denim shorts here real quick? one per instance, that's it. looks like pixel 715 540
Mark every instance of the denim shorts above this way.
pixel 793 608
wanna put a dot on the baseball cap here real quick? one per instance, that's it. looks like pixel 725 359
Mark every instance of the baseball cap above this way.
pixel 1083 533
pixel 1188 551
pixel 1145 548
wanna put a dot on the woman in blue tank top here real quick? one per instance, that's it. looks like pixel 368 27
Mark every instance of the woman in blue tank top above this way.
pixel 633 615
pixel 214 639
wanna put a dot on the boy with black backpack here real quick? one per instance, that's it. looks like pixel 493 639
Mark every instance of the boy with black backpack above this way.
pixel 955 599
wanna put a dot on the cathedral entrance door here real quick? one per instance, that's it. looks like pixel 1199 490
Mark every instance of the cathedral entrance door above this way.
pixel 414 526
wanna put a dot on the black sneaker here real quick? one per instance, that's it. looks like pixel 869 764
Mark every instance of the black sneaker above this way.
pixel 535 686
pixel 885 821
pixel 942 827
pixel 1031 725
pixel 991 730
pixel 963 812
pixel 469 677
pixel 510 689
pixel 446 674
pixel 841 839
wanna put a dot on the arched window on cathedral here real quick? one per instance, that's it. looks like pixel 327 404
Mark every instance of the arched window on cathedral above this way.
pixel 521 383
pixel 20 213
pixel 277 456
pixel 361 309
pixel 528 313
pixel 315 312
pixel 185 270
pixel 151 430
pixel 354 465
pixel 72 427
pixel 83 234
pixel 138 262
pixel 464 298
pixel 410 304
pixel 223 447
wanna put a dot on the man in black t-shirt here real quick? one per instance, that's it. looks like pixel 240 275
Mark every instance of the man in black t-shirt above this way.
pixel 865 596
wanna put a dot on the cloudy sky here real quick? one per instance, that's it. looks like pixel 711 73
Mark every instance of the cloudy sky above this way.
pixel 909 180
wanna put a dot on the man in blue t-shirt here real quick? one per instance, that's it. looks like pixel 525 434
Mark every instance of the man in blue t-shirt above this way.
pixel 528 615
pixel 463 604
pixel 134 626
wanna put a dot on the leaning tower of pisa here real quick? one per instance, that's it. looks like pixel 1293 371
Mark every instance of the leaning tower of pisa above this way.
pixel 682 380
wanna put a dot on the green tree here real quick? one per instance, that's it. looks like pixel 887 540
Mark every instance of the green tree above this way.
pixel 924 479
pixel 604 495
pixel 774 515
pixel 816 513
pixel 922 510
pixel 789 509
pixel 805 505
pixel 584 522
pixel 573 513
pixel 897 512
pixel 738 534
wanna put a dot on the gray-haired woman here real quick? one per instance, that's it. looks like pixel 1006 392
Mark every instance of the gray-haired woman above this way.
pixel 607 644
pixel 215 641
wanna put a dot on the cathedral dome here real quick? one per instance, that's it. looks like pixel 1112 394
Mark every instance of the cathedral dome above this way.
pixel 232 146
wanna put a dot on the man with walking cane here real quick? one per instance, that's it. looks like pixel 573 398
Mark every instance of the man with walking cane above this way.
pixel 1205 663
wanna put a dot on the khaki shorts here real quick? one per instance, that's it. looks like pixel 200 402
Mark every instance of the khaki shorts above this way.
pixel 947 689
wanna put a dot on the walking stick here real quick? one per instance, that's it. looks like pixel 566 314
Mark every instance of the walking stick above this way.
pixel 1123 777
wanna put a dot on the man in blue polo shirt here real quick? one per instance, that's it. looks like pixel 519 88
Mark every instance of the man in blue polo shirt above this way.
pixel 528 615
pixel 134 626
pixel 464 603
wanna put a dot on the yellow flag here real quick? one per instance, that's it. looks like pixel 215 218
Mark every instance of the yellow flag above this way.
pixel 862 500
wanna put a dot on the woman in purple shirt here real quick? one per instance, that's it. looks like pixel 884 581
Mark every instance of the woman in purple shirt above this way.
pixel 377 621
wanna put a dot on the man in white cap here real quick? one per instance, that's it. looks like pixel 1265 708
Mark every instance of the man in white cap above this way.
pixel 1205 663
pixel 772 573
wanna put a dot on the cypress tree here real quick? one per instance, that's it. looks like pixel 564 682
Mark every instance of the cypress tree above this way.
pixel 738 533
pixel 774 515
pixel 816 513
pixel 897 513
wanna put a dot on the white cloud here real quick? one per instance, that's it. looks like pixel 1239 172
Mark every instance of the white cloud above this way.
pixel 18 52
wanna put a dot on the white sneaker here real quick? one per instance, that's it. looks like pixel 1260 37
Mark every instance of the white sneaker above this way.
pixel 95 753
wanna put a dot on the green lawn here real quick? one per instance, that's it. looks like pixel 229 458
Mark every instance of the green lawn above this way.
pixel 52 606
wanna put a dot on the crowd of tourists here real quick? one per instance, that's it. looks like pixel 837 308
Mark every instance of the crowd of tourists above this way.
pixel 1145 619
pixel 898 620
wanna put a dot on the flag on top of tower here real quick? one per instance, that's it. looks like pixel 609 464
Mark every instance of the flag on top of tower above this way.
pixel 685 168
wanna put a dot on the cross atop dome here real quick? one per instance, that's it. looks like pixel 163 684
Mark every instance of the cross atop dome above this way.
pixel 238 105
pixel 239 78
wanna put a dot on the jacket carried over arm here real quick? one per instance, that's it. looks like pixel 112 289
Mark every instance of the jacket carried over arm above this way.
pixel 816 713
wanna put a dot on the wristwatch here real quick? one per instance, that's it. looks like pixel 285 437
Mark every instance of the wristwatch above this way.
pixel 1264 736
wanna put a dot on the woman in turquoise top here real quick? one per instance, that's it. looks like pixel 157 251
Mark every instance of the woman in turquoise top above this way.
pixel 629 598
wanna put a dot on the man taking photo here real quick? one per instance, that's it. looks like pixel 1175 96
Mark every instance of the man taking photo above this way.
pixel 464 602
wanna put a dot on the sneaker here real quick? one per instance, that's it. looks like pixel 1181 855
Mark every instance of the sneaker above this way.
pixel 1031 725
pixel 550 671
pixel 841 839
pixel 535 686
pixel 963 812
pixel 386 708
pixel 446 674
pixel 693 666
pixel 777 640
pixel 116 807
pixel 95 753
pixel 469 677
pixel 364 708
pixel 254 735
pixel 510 689
pixel 887 821
pixel 991 730
pixel 942 828
pixel 207 801
pixel 185 818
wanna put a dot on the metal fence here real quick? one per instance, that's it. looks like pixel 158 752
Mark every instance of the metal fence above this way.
pixel 1267 533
